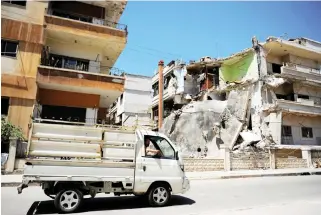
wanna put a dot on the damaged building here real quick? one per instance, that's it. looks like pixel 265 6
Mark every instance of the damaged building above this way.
pixel 266 96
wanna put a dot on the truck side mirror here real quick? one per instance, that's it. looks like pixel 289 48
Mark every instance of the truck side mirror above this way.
pixel 176 155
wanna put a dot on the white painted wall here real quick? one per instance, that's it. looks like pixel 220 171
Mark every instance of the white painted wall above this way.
pixel 313 45
pixel 129 119
pixel 314 93
pixel 296 122
pixel 301 61
pixel 74 50
pixel 91 116
pixel 137 99
pixel 9 65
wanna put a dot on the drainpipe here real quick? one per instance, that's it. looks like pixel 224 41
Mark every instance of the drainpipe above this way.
pixel 160 90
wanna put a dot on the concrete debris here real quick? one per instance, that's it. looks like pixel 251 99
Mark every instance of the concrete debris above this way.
pixel 274 82
pixel 230 131
pixel 193 127
pixel 250 137
pixel 238 102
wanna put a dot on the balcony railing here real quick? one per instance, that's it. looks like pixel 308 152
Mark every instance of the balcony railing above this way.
pixel 86 19
pixel 301 68
pixel 59 61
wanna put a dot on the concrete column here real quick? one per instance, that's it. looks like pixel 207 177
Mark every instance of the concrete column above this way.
pixel 160 89
pixel 227 159
pixel 306 154
pixel 12 155
pixel 272 159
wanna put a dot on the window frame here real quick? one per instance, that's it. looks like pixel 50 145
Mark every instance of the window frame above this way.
pixel 4 50
pixel 158 148
pixel 307 138
pixel 283 133
pixel 15 4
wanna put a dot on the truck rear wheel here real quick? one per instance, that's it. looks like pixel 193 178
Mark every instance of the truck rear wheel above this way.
pixel 68 200
pixel 159 195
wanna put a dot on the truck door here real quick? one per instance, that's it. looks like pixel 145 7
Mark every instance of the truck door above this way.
pixel 158 167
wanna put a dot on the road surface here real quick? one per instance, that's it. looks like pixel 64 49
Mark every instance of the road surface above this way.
pixel 268 195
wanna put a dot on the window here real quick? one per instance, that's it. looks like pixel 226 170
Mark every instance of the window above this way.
pixel 166 148
pixel 121 99
pixel 21 3
pixel 161 144
pixel 9 48
pixel 286 131
pixel 307 132
pixel 303 96
pixel 276 68
pixel 4 106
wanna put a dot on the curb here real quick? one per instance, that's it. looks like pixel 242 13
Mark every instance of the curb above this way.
pixel 256 175
pixel 15 184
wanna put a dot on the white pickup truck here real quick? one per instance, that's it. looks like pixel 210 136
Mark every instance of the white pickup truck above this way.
pixel 74 161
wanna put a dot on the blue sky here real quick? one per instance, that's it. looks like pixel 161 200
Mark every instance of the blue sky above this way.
pixel 191 30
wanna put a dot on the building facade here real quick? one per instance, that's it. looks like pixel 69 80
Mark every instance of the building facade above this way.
pixel 57 60
pixel 276 86
pixel 133 106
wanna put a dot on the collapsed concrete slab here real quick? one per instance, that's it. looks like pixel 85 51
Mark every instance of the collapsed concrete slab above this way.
pixel 191 127
pixel 229 131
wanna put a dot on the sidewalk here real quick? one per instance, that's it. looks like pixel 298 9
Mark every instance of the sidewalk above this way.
pixel 15 180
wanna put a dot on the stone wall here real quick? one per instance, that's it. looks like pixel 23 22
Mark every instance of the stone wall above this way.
pixel 250 160
pixel 285 163
pixel 316 157
pixel 205 164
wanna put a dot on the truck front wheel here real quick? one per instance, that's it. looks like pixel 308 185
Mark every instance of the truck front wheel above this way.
pixel 68 200
pixel 159 195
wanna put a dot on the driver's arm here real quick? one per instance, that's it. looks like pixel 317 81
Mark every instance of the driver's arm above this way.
pixel 152 150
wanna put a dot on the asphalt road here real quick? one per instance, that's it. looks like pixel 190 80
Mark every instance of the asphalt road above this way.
pixel 268 195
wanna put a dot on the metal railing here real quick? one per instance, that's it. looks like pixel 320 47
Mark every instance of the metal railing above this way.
pixel 86 19
pixel 65 62
pixel 95 122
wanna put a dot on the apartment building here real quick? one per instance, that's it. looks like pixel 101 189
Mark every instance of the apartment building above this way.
pixel 179 88
pixel 57 60
pixel 133 106
pixel 281 81
pixel 298 63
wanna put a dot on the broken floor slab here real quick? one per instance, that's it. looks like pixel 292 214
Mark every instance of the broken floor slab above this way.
pixel 191 128
pixel 230 130
pixel 237 103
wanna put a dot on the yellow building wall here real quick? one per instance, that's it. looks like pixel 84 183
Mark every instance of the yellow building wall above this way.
pixel 18 75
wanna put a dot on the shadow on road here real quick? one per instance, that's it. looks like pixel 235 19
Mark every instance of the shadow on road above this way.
pixel 105 203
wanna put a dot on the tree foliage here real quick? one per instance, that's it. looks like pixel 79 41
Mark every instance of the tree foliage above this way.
pixel 9 130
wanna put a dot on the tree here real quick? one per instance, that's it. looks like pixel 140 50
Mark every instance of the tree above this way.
pixel 9 130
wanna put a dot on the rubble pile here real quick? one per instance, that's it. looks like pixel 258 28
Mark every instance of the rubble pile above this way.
pixel 191 127
pixel 202 128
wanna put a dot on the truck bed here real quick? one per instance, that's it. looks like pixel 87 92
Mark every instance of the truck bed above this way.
pixel 73 170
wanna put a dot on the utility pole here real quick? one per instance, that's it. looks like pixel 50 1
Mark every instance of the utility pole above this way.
pixel 160 90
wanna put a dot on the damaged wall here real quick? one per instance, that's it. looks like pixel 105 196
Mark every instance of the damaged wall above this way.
pixel 297 122
pixel 245 68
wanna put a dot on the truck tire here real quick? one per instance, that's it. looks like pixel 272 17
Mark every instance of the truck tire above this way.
pixel 159 195
pixel 68 200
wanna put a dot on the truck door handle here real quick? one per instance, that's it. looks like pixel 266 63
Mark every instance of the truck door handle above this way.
pixel 144 168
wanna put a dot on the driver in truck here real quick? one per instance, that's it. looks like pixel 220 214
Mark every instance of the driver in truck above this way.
pixel 150 148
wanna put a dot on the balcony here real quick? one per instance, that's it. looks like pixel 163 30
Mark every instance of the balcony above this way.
pixel 301 72
pixel 78 75
pixel 299 107
pixel 84 32
pixel 84 22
